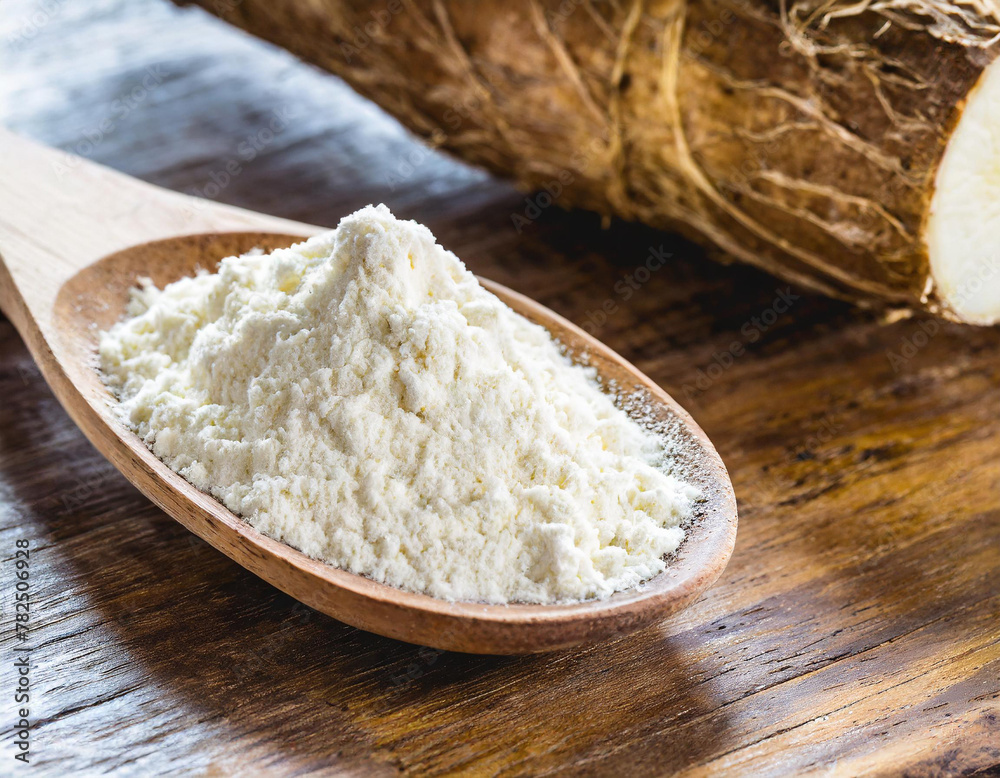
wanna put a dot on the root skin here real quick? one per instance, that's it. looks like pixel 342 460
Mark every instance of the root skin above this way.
pixel 801 137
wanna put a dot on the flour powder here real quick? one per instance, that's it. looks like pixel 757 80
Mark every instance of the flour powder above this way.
pixel 361 397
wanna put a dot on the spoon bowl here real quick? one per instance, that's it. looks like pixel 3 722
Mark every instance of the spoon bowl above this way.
pixel 63 290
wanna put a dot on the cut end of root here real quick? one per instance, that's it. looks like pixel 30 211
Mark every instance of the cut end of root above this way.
pixel 963 228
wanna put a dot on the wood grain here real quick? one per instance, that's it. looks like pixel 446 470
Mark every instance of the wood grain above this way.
pixel 855 631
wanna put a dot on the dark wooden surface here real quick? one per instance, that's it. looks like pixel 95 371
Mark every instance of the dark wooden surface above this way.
pixel 854 632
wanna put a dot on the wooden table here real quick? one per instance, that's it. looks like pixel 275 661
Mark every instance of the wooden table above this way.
pixel 856 630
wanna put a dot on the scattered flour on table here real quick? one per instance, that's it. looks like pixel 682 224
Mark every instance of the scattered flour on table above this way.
pixel 360 397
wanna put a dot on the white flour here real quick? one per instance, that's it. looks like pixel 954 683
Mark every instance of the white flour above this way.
pixel 362 398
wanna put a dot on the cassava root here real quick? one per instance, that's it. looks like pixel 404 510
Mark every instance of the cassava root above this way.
pixel 806 138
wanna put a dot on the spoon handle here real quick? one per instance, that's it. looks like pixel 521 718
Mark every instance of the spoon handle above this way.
pixel 60 212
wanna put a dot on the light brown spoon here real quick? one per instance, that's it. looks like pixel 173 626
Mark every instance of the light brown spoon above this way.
pixel 74 239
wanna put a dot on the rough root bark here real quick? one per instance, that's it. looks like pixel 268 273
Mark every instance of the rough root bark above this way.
pixel 800 136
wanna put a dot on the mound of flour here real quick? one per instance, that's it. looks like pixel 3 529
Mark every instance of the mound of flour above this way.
pixel 361 397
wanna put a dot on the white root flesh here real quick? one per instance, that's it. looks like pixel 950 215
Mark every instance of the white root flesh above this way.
pixel 963 227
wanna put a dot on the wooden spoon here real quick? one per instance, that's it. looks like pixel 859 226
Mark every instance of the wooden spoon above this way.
pixel 76 237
